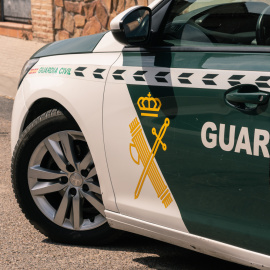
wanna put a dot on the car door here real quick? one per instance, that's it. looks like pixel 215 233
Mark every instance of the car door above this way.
pixel 139 184
pixel 200 102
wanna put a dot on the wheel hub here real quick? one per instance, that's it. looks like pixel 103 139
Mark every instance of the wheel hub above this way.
pixel 76 180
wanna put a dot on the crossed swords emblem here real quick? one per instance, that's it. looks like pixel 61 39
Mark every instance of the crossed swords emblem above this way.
pixel 147 156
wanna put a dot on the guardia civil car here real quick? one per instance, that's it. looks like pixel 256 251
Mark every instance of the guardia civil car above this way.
pixel 158 127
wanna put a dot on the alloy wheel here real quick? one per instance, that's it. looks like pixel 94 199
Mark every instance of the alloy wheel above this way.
pixel 63 182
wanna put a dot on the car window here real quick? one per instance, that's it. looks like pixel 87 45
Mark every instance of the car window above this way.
pixel 215 23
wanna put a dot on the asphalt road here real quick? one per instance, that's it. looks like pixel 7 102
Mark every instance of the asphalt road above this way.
pixel 22 247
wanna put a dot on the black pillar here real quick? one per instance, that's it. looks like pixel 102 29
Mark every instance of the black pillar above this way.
pixel 2 10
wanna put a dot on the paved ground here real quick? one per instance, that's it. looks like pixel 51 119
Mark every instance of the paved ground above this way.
pixel 22 247
pixel 14 53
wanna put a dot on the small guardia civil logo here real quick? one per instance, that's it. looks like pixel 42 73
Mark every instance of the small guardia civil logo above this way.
pixel 150 107
pixel 33 71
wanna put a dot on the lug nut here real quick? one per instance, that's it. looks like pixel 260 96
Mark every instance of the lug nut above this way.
pixel 85 188
pixel 73 191
pixel 70 168
pixel 63 180
pixel 84 173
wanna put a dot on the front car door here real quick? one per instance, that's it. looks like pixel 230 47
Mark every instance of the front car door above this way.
pixel 186 124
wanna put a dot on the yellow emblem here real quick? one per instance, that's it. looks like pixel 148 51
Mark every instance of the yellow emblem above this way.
pixel 149 104
pixel 146 156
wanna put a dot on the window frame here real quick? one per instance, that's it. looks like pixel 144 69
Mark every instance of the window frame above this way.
pixel 165 48
pixel 158 48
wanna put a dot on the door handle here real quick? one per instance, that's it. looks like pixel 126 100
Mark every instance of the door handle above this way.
pixel 246 97
pixel 259 98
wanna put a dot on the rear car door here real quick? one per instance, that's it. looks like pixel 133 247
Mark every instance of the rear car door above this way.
pixel 200 101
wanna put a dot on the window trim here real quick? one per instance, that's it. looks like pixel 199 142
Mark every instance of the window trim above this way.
pixel 236 49
pixel 219 48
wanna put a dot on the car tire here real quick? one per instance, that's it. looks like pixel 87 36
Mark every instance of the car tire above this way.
pixel 63 208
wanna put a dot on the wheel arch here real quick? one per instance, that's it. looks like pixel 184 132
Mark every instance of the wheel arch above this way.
pixel 46 100
pixel 41 106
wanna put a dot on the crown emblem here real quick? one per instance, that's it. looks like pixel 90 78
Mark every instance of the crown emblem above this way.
pixel 149 104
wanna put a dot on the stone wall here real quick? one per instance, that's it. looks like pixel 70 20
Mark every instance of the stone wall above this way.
pixel 62 19
pixel 87 17
pixel 42 20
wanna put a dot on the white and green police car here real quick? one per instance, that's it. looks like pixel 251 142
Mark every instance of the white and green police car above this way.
pixel 159 127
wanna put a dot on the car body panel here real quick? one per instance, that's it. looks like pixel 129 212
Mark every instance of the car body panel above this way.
pixel 108 44
pixel 213 194
pixel 82 100
pixel 84 44
pixel 19 114
pixel 189 241
pixel 118 115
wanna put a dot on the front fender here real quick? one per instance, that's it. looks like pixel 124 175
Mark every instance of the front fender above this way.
pixel 81 96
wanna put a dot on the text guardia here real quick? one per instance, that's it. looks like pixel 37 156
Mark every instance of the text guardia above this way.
pixel 213 136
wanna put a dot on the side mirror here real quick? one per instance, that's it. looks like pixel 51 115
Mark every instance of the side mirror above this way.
pixel 133 26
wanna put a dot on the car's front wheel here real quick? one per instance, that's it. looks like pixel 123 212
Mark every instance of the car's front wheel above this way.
pixel 56 183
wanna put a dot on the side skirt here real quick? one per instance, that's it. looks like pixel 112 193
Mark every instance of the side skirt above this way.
pixel 189 241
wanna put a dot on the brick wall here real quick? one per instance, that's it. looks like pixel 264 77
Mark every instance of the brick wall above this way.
pixel 42 20
pixel 86 17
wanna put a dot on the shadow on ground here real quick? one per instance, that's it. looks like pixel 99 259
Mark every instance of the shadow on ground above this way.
pixel 159 255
